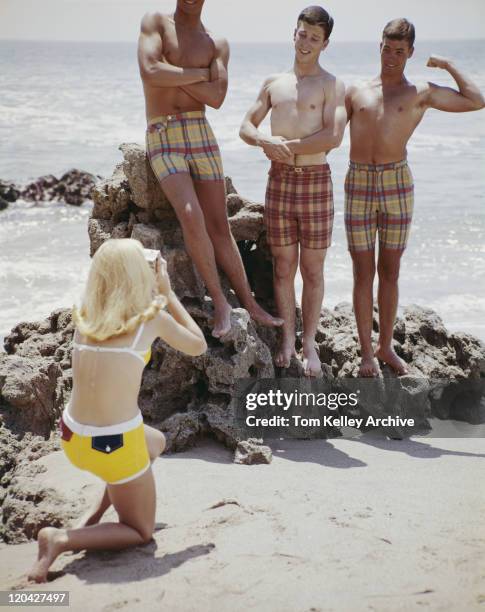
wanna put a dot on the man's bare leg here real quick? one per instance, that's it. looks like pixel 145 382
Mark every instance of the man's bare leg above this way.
pixel 363 298
pixel 285 264
pixel 388 265
pixel 311 268
pixel 180 191
pixel 212 199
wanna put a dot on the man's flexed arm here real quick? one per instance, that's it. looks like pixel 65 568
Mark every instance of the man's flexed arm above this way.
pixel 334 122
pixel 273 146
pixel 213 92
pixel 468 98
pixel 153 71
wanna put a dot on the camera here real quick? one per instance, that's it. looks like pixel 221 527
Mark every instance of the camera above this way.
pixel 152 256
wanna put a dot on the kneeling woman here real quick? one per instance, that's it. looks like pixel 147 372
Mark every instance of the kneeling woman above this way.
pixel 126 306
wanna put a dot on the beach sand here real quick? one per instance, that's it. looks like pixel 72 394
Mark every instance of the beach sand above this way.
pixel 341 525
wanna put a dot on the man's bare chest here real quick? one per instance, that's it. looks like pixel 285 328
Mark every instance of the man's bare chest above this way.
pixel 400 107
pixel 302 96
pixel 187 48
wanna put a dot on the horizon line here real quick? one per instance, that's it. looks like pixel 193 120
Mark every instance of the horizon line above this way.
pixel 239 42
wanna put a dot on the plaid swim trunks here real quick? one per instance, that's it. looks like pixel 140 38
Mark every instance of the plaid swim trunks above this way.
pixel 378 197
pixel 183 143
pixel 299 206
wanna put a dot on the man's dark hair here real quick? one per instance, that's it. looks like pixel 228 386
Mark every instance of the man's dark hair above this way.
pixel 316 15
pixel 400 29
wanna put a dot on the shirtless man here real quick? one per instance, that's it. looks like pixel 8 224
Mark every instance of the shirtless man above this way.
pixel 383 115
pixel 184 67
pixel 308 119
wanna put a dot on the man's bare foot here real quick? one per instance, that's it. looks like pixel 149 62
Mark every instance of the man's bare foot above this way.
pixel 260 315
pixel 50 541
pixel 311 359
pixel 222 320
pixel 387 355
pixel 284 354
pixel 368 367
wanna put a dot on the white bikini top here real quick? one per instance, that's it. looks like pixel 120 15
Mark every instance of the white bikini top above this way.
pixel 144 356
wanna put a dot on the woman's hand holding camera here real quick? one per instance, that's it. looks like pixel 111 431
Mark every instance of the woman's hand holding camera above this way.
pixel 163 280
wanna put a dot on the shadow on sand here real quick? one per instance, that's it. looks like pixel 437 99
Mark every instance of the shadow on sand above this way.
pixel 131 565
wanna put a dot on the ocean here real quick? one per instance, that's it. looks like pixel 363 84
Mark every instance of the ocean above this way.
pixel 69 105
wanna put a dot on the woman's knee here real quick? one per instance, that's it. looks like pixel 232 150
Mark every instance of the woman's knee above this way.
pixel 146 532
pixel 156 444
pixel 155 441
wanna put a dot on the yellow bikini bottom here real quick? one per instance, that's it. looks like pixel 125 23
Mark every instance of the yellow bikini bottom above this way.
pixel 116 453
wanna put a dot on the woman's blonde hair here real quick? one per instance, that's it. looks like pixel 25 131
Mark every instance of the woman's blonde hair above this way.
pixel 120 292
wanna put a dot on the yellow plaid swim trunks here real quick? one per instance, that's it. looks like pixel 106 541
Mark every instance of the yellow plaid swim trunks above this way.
pixel 183 142
pixel 378 197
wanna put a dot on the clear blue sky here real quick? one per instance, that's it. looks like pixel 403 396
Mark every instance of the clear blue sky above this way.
pixel 238 20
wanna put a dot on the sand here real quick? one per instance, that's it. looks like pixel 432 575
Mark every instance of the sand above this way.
pixel 342 525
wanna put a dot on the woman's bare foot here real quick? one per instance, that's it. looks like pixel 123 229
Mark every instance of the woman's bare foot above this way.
pixel 50 541
pixel 368 367
pixel 284 354
pixel 222 320
pixel 387 355
pixel 311 359
pixel 260 315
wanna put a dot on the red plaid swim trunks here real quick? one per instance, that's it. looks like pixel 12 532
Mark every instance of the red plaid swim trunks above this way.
pixel 378 197
pixel 299 206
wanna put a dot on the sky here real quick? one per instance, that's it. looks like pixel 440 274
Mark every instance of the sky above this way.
pixel 238 20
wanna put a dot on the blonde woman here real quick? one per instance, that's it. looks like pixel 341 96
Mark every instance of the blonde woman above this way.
pixel 126 306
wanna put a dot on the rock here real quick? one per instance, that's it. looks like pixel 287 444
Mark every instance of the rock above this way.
pixel 35 375
pixel 43 490
pixel 182 430
pixel 251 451
pixel 220 422
pixel 230 189
pixel 246 225
pixel 99 231
pixel 74 187
pixel 150 237
pixel 3 203
pixel 29 387
pixel 144 187
pixel 9 450
pixel 9 192
pixel 42 188
pixel 111 197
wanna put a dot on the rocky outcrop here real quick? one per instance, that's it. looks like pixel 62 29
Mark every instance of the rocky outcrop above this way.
pixel 189 397
pixel 74 187
pixel 37 493
pixel 9 192
pixel 35 374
